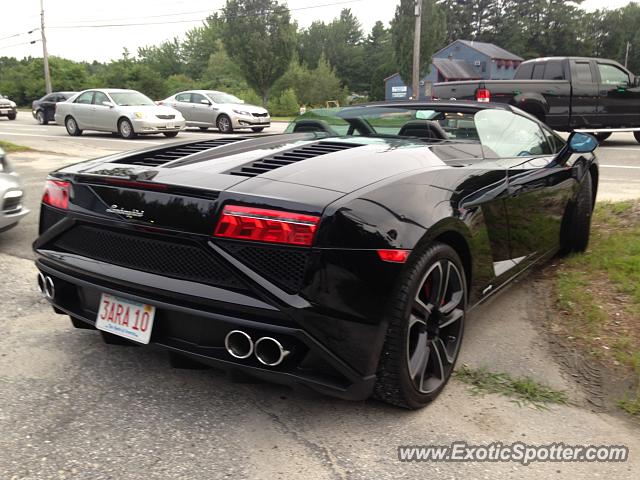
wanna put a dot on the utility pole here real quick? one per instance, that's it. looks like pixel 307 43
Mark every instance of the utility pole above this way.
pixel 417 35
pixel 47 74
pixel 626 57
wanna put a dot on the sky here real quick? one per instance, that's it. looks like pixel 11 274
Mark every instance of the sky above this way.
pixel 66 39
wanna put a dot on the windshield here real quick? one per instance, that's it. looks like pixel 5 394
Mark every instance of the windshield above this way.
pixel 426 123
pixel 502 133
pixel 220 97
pixel 128 99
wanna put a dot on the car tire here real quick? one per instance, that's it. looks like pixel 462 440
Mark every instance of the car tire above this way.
pixel 224 124
pixel 170 134
pixel 12 116
pixel 41 117
pixel 125 129
pixel 602 137
pixel 419 343
pixel 72 127
pixel 576 224
pixel 637 135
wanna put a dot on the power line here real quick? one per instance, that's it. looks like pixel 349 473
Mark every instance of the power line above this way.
pixel 19 34
pixel 32 42
pixel 137 24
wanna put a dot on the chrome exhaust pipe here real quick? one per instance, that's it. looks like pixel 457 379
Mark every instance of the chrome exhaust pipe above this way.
pixel 270 351
pixel 41 282
pixel 238 344
pixel 49 288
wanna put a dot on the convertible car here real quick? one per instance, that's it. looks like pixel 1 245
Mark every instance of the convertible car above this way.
pixel 341 256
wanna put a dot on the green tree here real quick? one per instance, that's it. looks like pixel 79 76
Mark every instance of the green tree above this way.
pixel 285 104
pixel 199 44
pixel 261 39
pixel 312 42
pixel 402 30
pixel 344 50
pixel 166 59
pixel 379 54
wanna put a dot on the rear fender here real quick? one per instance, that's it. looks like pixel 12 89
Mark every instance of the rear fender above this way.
pixel 532 103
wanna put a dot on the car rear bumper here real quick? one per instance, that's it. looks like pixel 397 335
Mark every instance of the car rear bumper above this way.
pixel 187 325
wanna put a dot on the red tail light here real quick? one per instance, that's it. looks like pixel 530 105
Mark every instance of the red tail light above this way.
pixel 483 95
pixel 394 256
pixel 56 194
pixel 262 225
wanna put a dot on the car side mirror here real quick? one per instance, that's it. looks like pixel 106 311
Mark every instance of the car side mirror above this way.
pixel 580 142
pixel 205 102
pixel 242 101
pixel 108 104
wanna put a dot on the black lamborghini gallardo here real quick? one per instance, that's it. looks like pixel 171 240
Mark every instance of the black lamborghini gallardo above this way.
pixel 340 256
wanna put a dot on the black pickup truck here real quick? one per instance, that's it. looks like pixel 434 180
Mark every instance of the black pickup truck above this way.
pixel 567 93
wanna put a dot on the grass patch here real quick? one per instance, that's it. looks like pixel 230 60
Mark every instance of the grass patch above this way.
pixel 598 293
pixel 523 391
pixel 9 147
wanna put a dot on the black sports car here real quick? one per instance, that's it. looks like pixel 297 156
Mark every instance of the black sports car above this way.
pixel 341 256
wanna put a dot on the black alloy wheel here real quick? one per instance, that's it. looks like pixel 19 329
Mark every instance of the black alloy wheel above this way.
pixel 425 330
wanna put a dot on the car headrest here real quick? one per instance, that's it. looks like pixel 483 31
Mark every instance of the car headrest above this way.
pixel 423 129
pixel 302 126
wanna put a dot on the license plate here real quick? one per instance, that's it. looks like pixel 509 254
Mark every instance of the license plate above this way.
pixel 4 111
pixel 125 318
pixel 170 125
pixel 262 119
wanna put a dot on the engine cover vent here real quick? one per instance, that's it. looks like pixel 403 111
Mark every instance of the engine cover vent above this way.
pixel 288 157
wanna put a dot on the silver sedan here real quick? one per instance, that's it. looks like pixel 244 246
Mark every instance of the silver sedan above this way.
pixel 11 192
pixel 126 112
pixel 209 108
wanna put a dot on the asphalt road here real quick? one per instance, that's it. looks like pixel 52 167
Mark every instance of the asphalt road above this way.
pixel 72 407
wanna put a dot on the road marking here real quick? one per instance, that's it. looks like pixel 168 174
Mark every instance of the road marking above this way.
pixel 60 137
pixel 621 166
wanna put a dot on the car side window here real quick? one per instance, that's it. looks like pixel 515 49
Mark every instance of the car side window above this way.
pixel 612 75
pixel 197 98
pixel 85 98
pixel 49 98
pixel 583 72
pixel 510 135
pixel 554 70
pixel 538 71
pixel 524 71
pixel 183 97
pixel 100 97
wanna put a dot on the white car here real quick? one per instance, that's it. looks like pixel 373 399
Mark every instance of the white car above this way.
pixel 126 112
pixel 11 192
pixel 209 108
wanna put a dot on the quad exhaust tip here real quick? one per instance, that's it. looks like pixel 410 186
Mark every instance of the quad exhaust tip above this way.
pixel 46 287
pixel 270 352
pixel 238 344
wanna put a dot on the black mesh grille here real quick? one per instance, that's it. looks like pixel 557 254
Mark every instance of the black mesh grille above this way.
pixel 186 261
pixel 260 114
pixel 166 117
pixel 161 156
pixel 291 156
pixel 283 266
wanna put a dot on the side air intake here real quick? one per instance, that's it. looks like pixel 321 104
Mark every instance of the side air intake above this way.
pixel 288 157
pixel 157 157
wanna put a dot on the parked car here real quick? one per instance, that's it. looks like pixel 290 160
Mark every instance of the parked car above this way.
pixel 342 256
pixel 11 193
pixel 44 109
pixel 208 108
pixel 126 112
pixel 566 93
pixel 7 108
